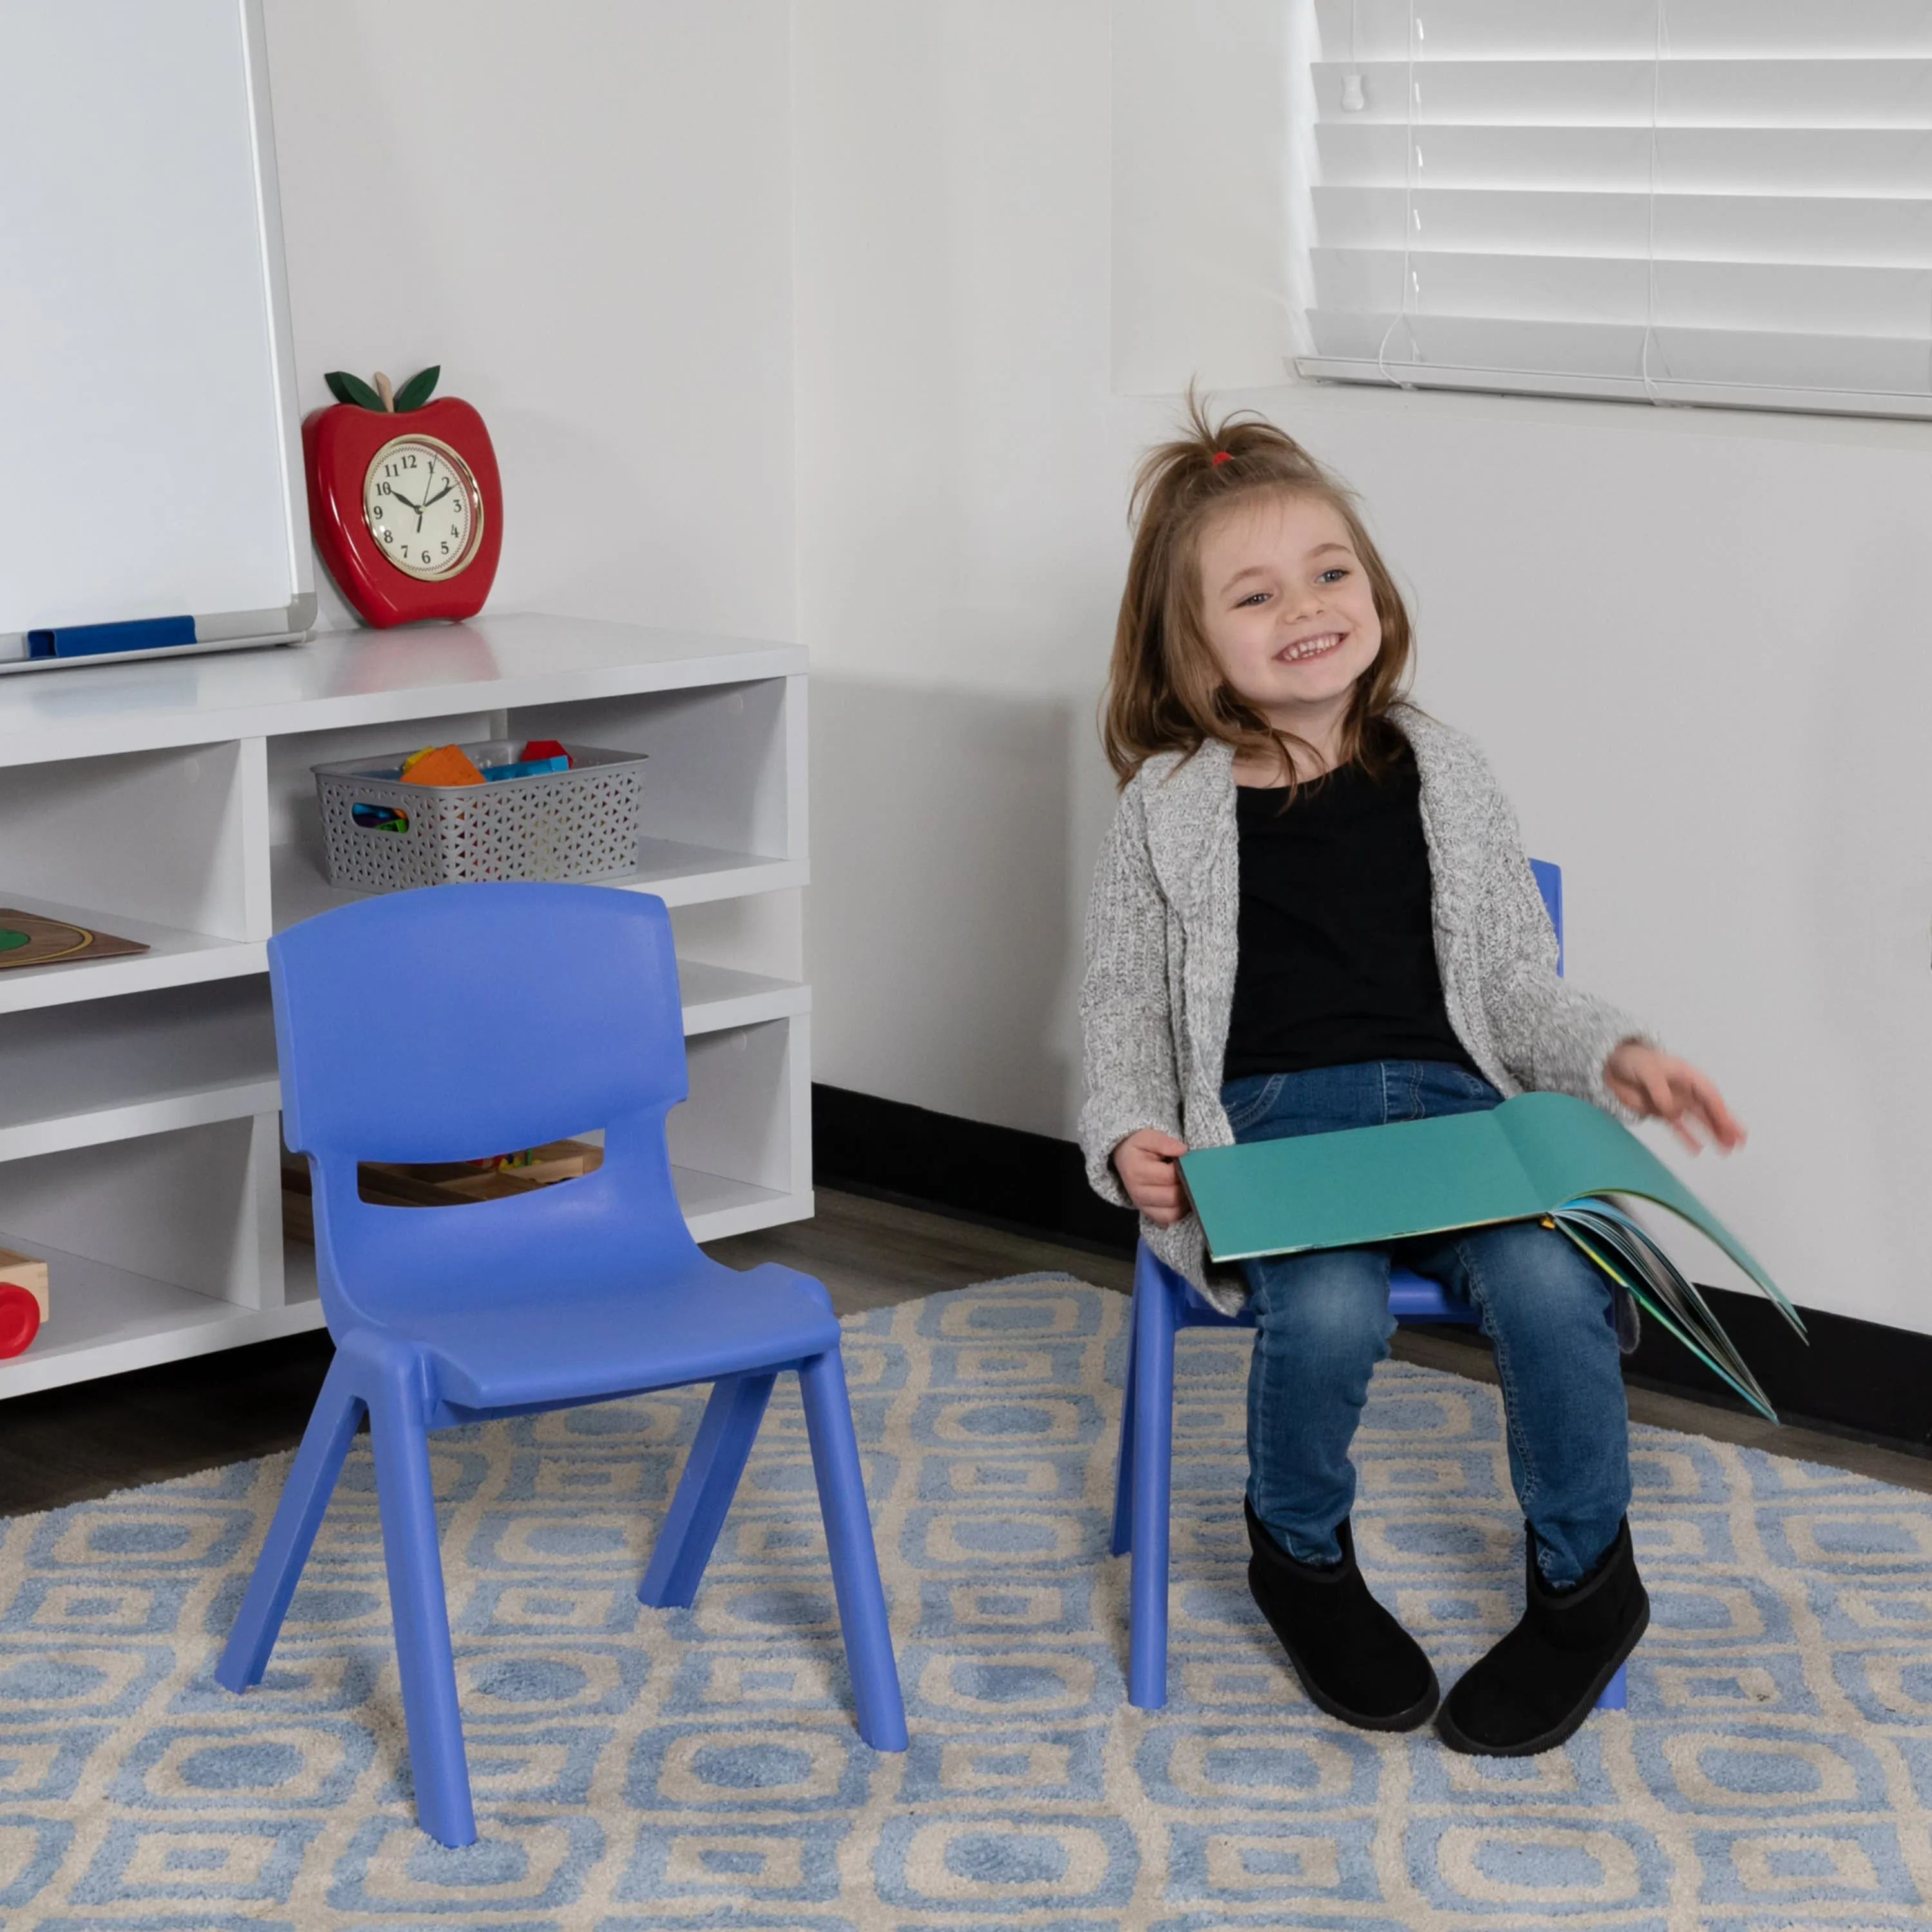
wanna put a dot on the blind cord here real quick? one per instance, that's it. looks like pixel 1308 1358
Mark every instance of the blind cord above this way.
pixel 1353 101
pixel 1408 153
pixel 1650 387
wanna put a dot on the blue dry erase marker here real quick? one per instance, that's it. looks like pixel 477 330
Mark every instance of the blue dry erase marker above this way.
pixel 92 640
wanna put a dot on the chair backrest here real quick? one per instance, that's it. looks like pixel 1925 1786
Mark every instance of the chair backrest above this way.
pixel 459 1020
pixel 1549 883
pixel 455 1022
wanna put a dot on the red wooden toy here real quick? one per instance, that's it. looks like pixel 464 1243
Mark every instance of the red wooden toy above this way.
pixel 23 1300
pixel 404 499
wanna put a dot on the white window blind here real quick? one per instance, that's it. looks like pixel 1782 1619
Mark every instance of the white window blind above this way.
pixel 1691 201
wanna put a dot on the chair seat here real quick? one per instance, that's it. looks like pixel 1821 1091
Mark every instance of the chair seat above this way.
pixel 1412 1297
pixel 554 1348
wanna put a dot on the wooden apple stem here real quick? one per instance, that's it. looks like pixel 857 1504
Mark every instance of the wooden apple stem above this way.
pixel 386 390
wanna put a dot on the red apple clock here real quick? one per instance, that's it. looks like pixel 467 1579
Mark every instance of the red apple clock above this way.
pixel 403 498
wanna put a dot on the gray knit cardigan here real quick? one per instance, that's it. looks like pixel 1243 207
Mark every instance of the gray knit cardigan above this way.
pixel 1161 947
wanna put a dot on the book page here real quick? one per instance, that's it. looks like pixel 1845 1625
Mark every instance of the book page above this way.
pixel 1567 1147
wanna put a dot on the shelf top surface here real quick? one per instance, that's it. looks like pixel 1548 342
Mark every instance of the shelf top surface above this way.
pixel 355 677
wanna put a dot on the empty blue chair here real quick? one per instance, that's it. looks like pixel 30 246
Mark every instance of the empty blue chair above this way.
pixel 452 1023
pixel 1164 1303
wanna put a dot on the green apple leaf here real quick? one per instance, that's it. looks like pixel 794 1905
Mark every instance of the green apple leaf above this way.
pixel 347 389
pixel 417 390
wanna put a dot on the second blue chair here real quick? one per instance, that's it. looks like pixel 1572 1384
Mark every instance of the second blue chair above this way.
pixel 1165 1303
pixel 455 1022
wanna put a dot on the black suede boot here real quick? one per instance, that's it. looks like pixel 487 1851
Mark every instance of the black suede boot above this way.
pixel 1539 1683
pixel 1353 1658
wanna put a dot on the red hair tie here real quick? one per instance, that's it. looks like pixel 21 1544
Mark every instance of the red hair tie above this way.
pixel 1220 457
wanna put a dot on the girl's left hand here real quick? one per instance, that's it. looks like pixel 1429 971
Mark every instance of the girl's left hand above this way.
pixel 1659 1086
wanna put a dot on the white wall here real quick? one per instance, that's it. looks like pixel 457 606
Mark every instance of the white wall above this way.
pixel 583 213
pixel 1694 645
pixel 960 536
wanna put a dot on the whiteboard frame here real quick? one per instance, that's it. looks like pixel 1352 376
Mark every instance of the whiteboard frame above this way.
pixel 281 330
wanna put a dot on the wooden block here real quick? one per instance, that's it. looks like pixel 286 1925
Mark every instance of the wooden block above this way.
pixel 442 1184
pixel 438 1184
pixel 24 1271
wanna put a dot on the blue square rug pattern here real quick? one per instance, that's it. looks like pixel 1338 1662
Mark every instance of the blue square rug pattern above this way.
pixel 640 1770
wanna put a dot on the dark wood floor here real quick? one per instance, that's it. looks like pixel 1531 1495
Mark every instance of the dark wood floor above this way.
pixel 68 1444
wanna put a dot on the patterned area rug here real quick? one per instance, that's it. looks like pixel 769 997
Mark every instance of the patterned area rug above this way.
pixel 639 1770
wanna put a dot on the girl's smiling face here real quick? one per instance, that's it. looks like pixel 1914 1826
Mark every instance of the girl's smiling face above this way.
pixel 1288 610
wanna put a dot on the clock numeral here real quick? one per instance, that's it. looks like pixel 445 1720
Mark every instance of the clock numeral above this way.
pixel 389 536
pixel 409 459
pixel 445 549
pixel 426 557
pixel 383 490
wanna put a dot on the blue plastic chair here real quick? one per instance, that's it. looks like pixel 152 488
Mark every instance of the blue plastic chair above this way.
pixel 1164 1303
pixel 449 1024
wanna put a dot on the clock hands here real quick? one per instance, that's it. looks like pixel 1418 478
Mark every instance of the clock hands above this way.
pixel 427 503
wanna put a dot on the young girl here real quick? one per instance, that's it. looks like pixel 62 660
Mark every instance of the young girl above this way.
pixel 1313 912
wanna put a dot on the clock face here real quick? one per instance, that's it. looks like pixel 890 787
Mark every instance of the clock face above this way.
pixel 422 506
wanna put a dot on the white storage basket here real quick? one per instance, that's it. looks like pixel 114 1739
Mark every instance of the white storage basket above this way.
pixel 578 824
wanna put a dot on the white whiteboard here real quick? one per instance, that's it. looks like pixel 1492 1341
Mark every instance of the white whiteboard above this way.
pixel 150 453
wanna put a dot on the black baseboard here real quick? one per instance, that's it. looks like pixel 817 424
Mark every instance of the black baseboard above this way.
pixel 1030 1183
pixel 1857 1378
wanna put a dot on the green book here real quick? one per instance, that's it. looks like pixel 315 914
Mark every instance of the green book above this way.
pixel 1539 1157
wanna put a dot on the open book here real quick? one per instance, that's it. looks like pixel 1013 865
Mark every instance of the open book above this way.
pixel 1538 1156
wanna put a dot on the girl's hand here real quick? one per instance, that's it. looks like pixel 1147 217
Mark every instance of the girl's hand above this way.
pixel 1145 1162
pixel 1659 1086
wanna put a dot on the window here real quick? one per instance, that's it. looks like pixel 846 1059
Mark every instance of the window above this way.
pixel 1691 201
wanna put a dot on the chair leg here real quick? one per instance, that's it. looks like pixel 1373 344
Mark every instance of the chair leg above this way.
pixel 420 1614
pixel 1154 1323
pixel 705 1490
pixel 1123 1454
pixel 855 1563
pixel 305 1494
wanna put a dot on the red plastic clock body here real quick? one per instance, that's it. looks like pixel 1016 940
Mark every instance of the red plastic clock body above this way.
pixel 337 443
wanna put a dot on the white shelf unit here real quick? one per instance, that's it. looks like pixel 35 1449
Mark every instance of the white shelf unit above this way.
pixel 172 802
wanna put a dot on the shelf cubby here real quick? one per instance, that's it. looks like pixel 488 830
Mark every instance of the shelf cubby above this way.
pixel 718 997
pixel 741 1145
pixel 157 1245
pixel 158 836
pixel 723 759
pixel 109 1069
pixel 106 1320
pixel 176 957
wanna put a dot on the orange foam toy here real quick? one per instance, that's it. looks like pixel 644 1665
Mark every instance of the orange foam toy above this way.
pixel 447 765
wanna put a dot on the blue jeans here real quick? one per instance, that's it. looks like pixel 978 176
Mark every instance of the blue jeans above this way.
pixel 1323 1324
